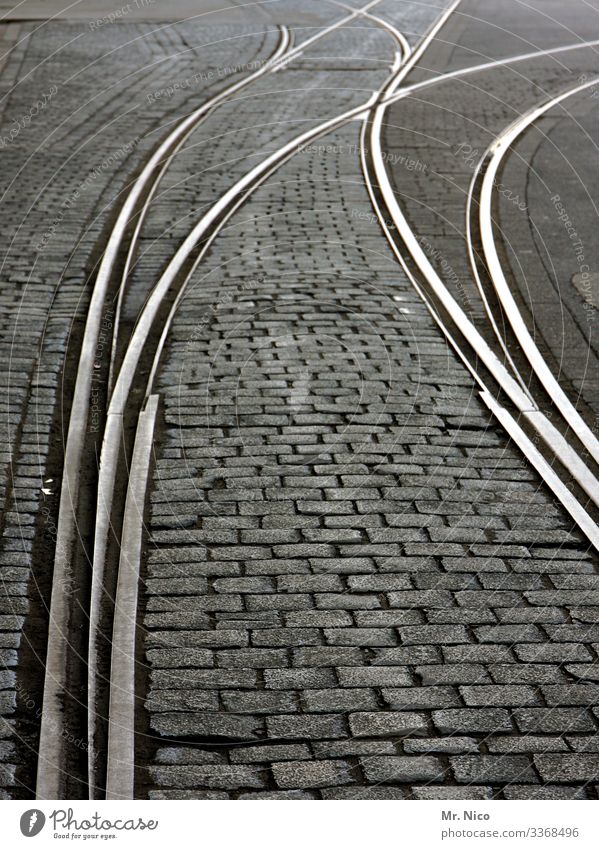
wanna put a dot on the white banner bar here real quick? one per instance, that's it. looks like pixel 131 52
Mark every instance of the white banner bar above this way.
pixel 287 825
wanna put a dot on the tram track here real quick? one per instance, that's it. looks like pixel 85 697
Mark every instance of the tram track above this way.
pixel 454 323
pixel 50 777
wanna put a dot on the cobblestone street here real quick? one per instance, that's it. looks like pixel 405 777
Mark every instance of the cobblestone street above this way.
pixel 299 478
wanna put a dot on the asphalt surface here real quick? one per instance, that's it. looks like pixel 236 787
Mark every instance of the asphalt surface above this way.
pixel 355 586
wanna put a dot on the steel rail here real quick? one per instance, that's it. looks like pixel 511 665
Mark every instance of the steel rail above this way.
pixel 540 423
pixel 406 91
pixel 493 158
pixel 282 49
pixel 521 398
pixel 121 738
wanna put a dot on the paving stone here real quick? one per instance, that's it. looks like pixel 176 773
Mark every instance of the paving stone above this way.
pixel 387 724
pixel 378 793
pixel 570 768
pixel 381 676
pixel 259 702
pixel 486 695
pixel 299 774
pixel 447 793
pixel 360 636
pixel 403 769
pixel 287 637
pixel 433 634
pixel 187 755
pixel 406 655
pixel 526 744
pixel 425 698
pixel 443 745
pixel 283 795
pixel 472 721
pixel 353 747
pixel 329 700
pixel 299 679
pixel 269 754
pixel 252 658
pixel 311 727
pixel 509 634
pixel 450 673
pixel 214 776
pixel 206 725
pixel 548 792
pixel 553 720
pixel 480 769
pixel 318 656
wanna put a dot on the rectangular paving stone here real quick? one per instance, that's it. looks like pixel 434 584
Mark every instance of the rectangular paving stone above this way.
pixel 252 658
pixel 259 702
pixel 360 636
pixel 553 720
pixel 472 721
pixel 452 673
pixel 298 679
pixel 434 634
pixel 322 773
pixel 318 619
pixel 324 701
pixel 210 678
pixel 420 598
pixel 355 793
pixel 526 744
pixel 403 769
pixel 509 634
pixel 447 793
pixel 206 725
pixel 421 697
pixel 316 656
pixel 570 768
pixel 481 769
pixel 345 601
pixel 286 637
pixel 213 776
pixel 487 695
pixel 164 701
pixel 373 676
pixel 387 724
pixel 404 655
pixel 441 746
pixel 268 754
pixel 552 653
pixel 548 793
pixel 586 695
pixel 353 747
pixel 313 727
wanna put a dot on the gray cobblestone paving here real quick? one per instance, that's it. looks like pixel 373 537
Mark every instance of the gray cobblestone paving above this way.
pixel 354 587
pixel 381 565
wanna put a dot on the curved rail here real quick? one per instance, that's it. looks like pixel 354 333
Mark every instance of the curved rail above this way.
pixel 406 91
pixel 493 157
pixel 511 385
pixel 201 115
